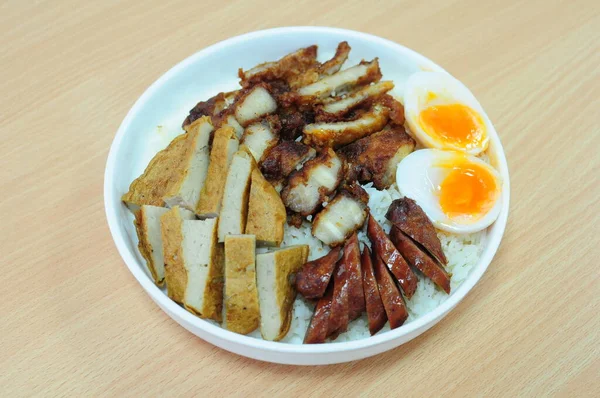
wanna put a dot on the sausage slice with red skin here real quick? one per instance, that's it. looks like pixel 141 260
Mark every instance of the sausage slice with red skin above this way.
pixel 419 259
pixel 394 305
pixel 384 248
pixel 356 294
pixel 375 310
pixel 340 305
pixel 319 324
pixel 313 278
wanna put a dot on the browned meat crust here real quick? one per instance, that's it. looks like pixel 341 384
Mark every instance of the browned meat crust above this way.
pixel 407 215
pixel 395 107
pixel 356 295
pixel 338 319
pixel 384 248
pixel 327 68
pixel 319 324
pixel 375 309
pixel 394 305
pixel 283 159
pixel 313 278
pixel 419 259
pixel 293 121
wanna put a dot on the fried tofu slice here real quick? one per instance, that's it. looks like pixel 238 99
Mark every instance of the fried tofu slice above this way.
pixel 345 214
pixel 147 226
pixel 376 157
pixel 225 145
pixel 338 134
pixel 370 93
pixel 234 208
pixel 193 263
pixel 259 138
pixel 284 159
pixel 375 309
pixel 254 104
pixel 266 212
pixel 308 187
pixel 242 313
pixel 327 68
pixel 187 182
pixel 276 291
pixel 314 276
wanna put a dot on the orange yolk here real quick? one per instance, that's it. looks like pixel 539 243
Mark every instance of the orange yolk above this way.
pixel 455 124
pixel 468 189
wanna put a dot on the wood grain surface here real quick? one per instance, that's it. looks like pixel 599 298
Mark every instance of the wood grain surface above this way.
pixel 76 323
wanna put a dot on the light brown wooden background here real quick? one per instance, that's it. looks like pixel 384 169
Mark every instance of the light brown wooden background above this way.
pixel 75 322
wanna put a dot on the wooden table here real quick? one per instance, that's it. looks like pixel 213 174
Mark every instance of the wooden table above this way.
pixel 76 323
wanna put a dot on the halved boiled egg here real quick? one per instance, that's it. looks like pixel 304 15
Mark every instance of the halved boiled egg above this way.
pixel 458 192
pixel 442 113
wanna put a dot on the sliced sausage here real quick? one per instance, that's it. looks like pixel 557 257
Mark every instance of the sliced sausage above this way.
pixel 356 295
pixel 313 278
pixel 375 310
pixel 394 305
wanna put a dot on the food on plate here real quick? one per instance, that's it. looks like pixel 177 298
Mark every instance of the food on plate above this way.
pixel 395 307
pixel 313 278
pixel 254 103
pixel 376 157
pixel 356 295
pixel 383 248
pixel 242 312
pixel 193 262
pixel 338 109
pixel 342 216
pixel 234 210
pixel 319 71
pixel 225 145
pixel 374 306
pixel 276 291
pixel 212 107
pixel 340 303
pixel 266 212
pixel 310 186
pixel 444 114
pixel 319 323
pixel 283 159
pixel 261 136
pixel 147 226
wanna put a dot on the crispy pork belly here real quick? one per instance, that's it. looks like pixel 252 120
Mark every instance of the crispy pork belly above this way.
pixel 395 107
pixel 266 212
pixel 242 313
pixel 147 226
pixel 376 157
pixel 276 292
pixel 319 323
pixel 225 145
pixel 338 134
pixel 254 104
pixel 337 109
pixel 340 303
pixel 259 138
pixel 342 216
pixel 347 79
pixel 293 121
pixel 419 259
pixel 308 187
pixel 193 262
pixel 312 280
pixel 394 305
pixel 375 309
pixel 283 159
pixel 327 68
pixel 356 295
pixel 186 184
pixel 384 248
pixel 234 210
pixel 211 107
pixel 408 216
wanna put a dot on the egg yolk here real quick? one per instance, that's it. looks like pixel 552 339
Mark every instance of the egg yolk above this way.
pixel 455 124
pixel 468 190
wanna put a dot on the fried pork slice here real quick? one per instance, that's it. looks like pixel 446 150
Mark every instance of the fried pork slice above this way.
pixel 340 304
pixel 375 309
pixel 242 313
pixel 327 68
pixel 211 107
pixel 188 181
pixel 338 134
pixel 394 305
pixel 319 323
pixel 370 93
pixel 384 248
pixel 147 226
pixel 225 145
pixel 356 295
pixel 254 104
pixel 408 216
pixel 395 107
pixel 376 157
pixel 342 216
pixel 286 68
pixel 234 210
pixel 259 138
pixel 293 120
pixel 266 212
pixel 308 187
pixel 314 276
pixel 283 159
pixel 276 291
pixel 419 259
pixel 193 262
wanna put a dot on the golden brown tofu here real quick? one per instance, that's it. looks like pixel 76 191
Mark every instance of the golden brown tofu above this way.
pixel 266 212
pixel 147 226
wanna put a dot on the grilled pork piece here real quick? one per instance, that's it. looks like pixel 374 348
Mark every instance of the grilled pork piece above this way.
pixel 408 216
pixel 328 68
pixel 261 136
pixel 211 107
pixel 255 103
pixel 147 226
pixel 266 212
pixel 342 216
pixel 395 107
pixel 293 121
pixel 376 157
pixel 308 187
pixel 283 159
pixel 314 276
pixel 384 248
pixel 340 304
pixel 356 295
pixel 338 134
pixel 394 305
pixel 419 259
pixel 337 109
pixel 319 324
pixel 375 309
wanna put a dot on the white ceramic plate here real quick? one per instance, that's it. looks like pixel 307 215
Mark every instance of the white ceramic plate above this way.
pixel 214 69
